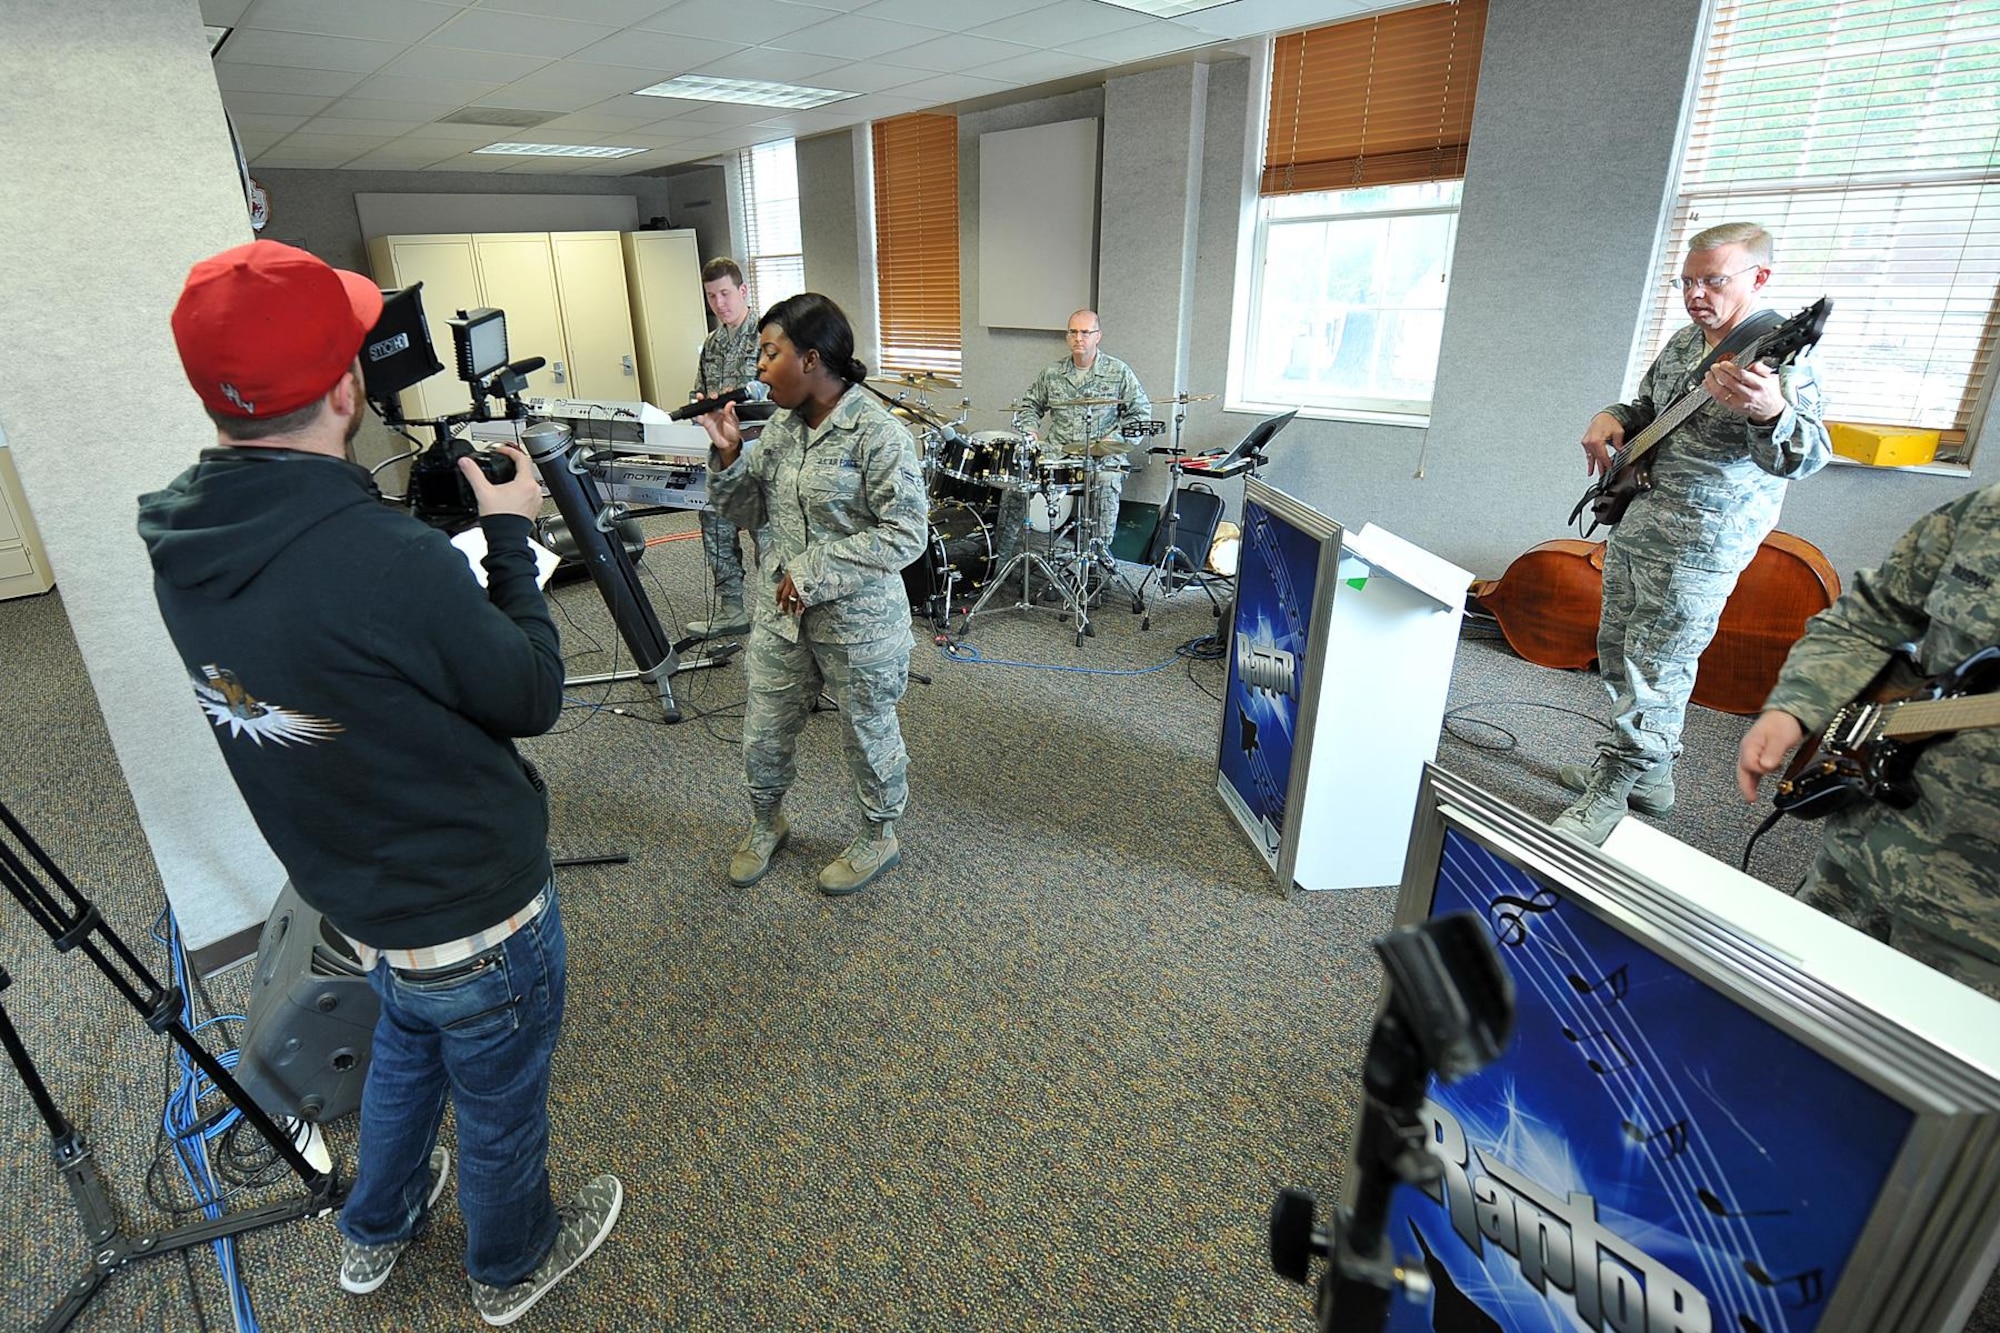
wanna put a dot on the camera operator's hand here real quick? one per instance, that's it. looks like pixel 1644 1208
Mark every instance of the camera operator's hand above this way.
pixel 521 495
pixel 724 433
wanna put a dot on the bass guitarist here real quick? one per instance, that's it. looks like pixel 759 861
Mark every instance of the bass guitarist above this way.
pixel 1925 880
pixel 1671 562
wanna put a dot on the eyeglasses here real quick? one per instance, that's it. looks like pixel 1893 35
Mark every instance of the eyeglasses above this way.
pixel 1081 333
pixel 1714 283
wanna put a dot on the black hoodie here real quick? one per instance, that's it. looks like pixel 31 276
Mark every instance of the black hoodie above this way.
pixel 364 688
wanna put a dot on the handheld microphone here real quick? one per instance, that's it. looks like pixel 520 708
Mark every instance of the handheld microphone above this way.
pixel 527 365
pixel 701 407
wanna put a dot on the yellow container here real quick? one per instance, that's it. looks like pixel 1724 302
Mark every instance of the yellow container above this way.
pixel 1883 446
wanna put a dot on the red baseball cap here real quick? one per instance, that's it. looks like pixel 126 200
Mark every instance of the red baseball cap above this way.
pixel 266 328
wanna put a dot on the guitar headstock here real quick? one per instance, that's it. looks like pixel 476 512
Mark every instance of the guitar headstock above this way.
pixel 1795 335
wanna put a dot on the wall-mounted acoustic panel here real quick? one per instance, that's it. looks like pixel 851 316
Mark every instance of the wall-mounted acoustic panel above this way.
pixel 1037 224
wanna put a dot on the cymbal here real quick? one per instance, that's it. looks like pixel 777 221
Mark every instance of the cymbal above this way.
pixel 1087 402
pixel 1190 398
pixel 924 381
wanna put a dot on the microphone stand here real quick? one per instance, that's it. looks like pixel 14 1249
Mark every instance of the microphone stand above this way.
pixel 80 926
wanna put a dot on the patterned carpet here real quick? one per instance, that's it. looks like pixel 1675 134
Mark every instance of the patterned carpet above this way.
pixel 1045 1076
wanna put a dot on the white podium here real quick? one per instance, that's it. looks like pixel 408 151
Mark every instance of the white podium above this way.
pixel 1341 653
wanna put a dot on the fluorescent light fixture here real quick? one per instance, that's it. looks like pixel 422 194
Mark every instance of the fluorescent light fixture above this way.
pixel 556 150
pixel 1167 9
pixel 749 92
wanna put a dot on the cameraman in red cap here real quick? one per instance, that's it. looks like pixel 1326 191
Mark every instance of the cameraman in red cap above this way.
pixel 366 692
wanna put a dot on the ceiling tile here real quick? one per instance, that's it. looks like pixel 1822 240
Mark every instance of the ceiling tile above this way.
pixel 568 77
pixel 425 61
pixel 705 115
pixel 1155 39
pixel 946 55
pixel 772 66
pixel 880 106
pixel 743 20
pixel 276 104
pixel 866 77
pixel 383 20
pixel 370 108
pixel 396 157
pixel 949 15
pixel 616 13
pixel 518 34
pixel 596 122
pixel 334 123
pixel 272 79
pixel 553 101
pixel 1041 66
pixel 851 38
pixel 264 124
pixel 444 92
pixel 294 50
pixel 441 131
pixel 1062 23
pixel 348 144
pixel 953 88
pixel 223 13
pixel 299 159
pixel 665 53
pixel 797 123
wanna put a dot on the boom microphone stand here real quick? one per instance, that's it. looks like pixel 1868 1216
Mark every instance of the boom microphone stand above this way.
pixel 81 926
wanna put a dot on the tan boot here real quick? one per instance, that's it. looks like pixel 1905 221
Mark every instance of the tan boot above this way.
pixel 753 855
pixel 730 618
pixel 868 856
pixel 1652 794
pixel 1602 805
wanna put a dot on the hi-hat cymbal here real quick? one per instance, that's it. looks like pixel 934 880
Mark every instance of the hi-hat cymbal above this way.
pixel 926 382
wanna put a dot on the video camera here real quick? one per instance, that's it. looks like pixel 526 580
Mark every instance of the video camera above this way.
pixel 398 354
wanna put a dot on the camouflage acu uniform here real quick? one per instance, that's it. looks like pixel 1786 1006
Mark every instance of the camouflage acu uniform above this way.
pixel 1673 560
pixel 1069 429
pixel 1926 879
pixel 728 359
pixel 845 510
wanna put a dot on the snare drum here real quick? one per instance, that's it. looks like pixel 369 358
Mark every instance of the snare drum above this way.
pixel 1058 481
pixel 958 558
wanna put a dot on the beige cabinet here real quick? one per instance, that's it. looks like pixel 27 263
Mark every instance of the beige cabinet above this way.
pixel 564 294
pixel 663 272
pixel 24 565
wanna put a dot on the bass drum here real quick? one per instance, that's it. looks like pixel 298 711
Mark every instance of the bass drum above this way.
pixel 957 559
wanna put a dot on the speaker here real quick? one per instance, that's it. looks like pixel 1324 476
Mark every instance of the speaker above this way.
pixel 311 1019
pixel 1201 510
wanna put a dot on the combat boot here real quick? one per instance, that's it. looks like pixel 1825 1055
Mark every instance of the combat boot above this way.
pixel 1652 794
pixel 1602 805
pixel 768 832
pixel 868 856
pixel 730 618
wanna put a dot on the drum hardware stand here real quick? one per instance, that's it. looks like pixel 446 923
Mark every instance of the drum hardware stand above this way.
pixel 1169 584
pixel 160 1006
pixel 1092 550
pixel 1028 560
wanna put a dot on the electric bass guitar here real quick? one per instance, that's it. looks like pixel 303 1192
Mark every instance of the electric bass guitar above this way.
pixel 1631 472
pixel 1872 744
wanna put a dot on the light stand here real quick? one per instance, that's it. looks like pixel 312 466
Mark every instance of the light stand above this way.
pixel 73 927
pixel 593 525
pixel 1449 1011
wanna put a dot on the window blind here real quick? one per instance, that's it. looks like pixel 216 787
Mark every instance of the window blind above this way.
pixel 916 242
pixel 1382 100
pixel 1865 136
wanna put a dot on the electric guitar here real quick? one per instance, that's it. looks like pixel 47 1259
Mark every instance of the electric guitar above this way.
pixel 1631 472
pixel 1872 744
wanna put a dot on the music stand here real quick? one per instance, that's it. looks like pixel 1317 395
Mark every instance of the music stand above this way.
pixel 1246 456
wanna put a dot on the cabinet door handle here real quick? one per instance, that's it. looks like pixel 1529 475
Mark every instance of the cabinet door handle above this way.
pixel 557 368
pixel 629 369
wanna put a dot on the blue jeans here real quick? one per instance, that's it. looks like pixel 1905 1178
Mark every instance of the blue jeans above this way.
pixel 482 1033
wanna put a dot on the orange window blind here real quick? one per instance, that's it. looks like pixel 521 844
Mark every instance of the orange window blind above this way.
pixel 916 242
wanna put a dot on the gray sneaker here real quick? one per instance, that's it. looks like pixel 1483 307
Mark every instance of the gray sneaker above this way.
pixel 1652 794
pixel 582 1227
pixel 868 856
pixel 366 1267
pixel 759 845
pixel 729 619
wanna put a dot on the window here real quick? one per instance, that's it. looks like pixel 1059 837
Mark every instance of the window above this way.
pixel 774 255
pixel 1364 152
pixel 916 243
pixel 1865 135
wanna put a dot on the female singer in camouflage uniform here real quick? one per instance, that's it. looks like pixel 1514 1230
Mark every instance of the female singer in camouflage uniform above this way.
pixel 836 479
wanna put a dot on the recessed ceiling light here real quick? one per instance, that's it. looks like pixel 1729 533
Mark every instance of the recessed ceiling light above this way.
pixel 1167 9
pixel 556 150
pixel 750 92
pixel 216 37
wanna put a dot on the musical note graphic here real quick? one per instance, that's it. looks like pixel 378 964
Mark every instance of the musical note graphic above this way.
pixel 1668 1140
pixel 1716 1206
pixel 1748 1324
pixel 1613 985
pixel 1606 1043
pixel 1508 913
pixel 1811 1283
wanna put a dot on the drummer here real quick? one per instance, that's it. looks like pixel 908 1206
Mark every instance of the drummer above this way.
pixel 1082 400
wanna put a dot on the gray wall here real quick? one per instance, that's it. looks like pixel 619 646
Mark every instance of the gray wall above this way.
pixel 830 208
pixel 106 101
pixel 697 198
pixel 1572 155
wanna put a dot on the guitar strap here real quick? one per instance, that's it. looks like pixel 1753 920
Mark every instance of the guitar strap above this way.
pixel 1753 327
